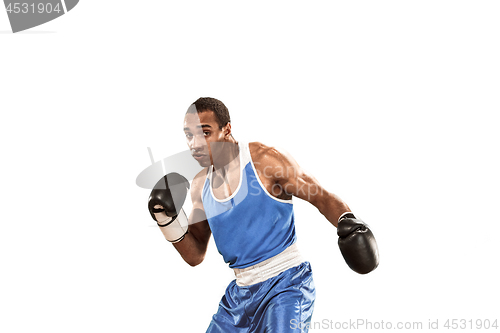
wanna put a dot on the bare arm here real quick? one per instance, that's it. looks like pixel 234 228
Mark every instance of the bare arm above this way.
pixel 194 245
pixel 286 174
pixel 287 178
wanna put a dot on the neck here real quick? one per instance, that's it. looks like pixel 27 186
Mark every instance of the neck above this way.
pixel 228 157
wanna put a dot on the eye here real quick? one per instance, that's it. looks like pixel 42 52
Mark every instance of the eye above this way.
pixel 188 135
pixel 206 133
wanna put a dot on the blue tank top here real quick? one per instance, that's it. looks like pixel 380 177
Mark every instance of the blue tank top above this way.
pixel 251 225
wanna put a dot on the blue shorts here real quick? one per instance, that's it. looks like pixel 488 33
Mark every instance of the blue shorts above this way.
pixel 283 303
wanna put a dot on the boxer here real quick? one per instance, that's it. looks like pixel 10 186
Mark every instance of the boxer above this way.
pixel 243 196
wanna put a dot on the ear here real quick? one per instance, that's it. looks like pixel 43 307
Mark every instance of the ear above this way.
pixel 227 131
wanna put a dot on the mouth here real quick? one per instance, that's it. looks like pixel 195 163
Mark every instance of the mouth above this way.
pixel 199 156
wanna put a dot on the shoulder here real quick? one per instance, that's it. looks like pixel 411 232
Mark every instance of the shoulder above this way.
pixel 199 179
pixel 269 155
pixel 260 151
pixel 273 163
pixel 198 182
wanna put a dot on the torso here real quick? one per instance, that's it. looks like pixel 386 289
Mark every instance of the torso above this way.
pixel 249 216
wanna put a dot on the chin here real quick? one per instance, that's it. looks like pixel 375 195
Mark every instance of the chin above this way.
pixel 204 164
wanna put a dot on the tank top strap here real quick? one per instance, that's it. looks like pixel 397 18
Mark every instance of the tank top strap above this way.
pixel 245 153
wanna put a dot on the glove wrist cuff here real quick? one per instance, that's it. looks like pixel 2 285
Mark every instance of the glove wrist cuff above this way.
pixel 346 215
pixel 168 221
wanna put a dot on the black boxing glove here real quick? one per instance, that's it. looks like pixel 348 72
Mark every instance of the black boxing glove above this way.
pixel 165 206
pixel 357 244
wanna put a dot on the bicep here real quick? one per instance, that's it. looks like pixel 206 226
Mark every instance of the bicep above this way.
pixel 281 168
pixel 303 185
pixel 296 181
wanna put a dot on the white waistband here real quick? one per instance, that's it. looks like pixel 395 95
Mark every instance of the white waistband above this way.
pixel 268 268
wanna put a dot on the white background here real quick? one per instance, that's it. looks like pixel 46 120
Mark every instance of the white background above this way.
pixel 392 105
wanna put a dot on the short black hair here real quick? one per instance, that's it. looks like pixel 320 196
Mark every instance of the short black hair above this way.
pixel 211 104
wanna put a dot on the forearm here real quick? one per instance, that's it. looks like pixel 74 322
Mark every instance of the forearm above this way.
pixel 332 207
pixel 191 249
pixel 195 243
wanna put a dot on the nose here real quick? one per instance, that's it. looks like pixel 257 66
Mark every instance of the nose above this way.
pixel 197 143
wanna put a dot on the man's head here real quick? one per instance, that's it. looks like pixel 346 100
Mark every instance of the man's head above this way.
pixel 207 127
pixel 204 104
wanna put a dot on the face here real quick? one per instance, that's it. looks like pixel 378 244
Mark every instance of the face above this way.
pixel 202 133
